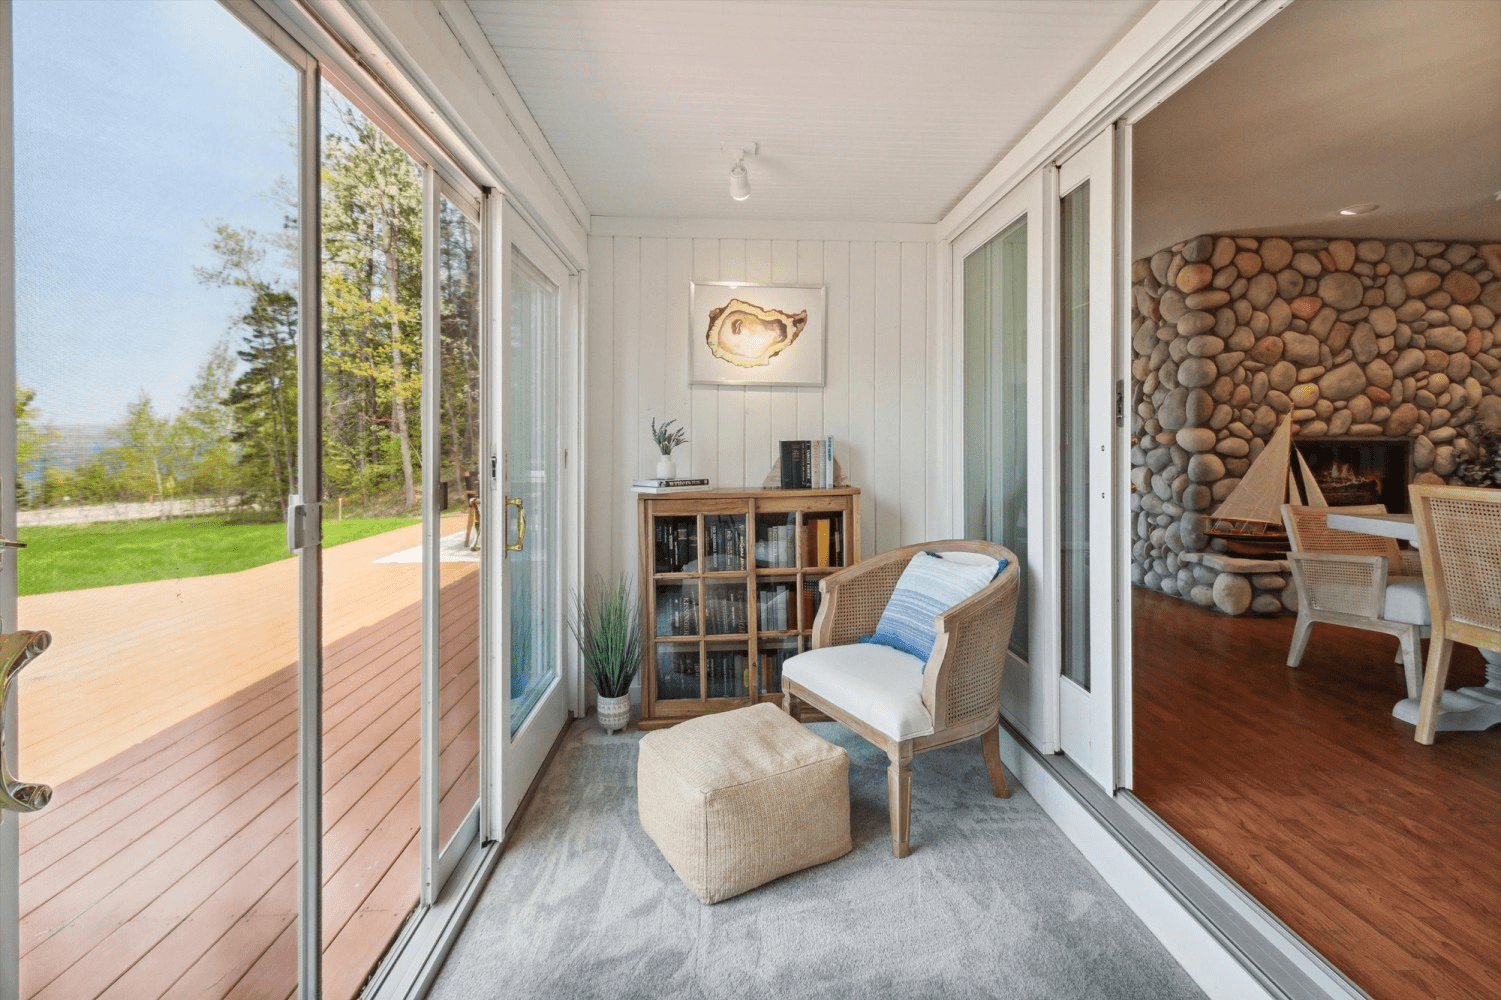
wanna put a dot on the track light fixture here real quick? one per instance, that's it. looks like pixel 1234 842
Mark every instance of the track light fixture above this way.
pixel 739 178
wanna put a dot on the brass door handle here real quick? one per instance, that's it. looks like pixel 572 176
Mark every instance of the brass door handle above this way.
pixel 520 506
pixel 16 650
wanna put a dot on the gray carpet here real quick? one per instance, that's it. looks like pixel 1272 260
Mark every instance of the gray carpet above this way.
pixel 993 902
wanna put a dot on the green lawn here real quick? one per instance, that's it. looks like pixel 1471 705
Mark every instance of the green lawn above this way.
pixel 81 556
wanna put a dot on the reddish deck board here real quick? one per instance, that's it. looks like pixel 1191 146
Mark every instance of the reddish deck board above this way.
pixel 169 870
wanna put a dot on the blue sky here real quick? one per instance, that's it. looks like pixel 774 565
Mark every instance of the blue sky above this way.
pixel 138 125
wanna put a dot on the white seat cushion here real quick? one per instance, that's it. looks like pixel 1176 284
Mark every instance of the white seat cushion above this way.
pixel 1406 601
pixel 879 685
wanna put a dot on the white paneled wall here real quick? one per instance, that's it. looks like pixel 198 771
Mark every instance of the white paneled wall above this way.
pixel 879 400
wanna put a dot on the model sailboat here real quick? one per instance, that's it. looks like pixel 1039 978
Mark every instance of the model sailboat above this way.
pixel 1250 518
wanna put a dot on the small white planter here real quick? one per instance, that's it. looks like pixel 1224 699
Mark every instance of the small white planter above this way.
pixel 667 468
pixel 615 713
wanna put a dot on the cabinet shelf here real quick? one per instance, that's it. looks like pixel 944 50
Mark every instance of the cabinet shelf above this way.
pixel 730 590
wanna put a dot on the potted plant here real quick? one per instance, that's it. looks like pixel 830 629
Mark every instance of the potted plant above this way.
pixel 667 439
pixel 606 624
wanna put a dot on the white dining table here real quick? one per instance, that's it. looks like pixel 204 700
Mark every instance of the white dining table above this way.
pixel 1469 709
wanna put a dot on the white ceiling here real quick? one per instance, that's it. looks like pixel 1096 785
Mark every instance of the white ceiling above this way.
pixel 1333 103
pixel 865 110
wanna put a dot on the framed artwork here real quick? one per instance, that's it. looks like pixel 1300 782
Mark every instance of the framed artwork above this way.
pixel 745 334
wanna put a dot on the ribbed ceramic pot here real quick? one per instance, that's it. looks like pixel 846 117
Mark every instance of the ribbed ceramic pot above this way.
pixel 615 713
pixel 667 468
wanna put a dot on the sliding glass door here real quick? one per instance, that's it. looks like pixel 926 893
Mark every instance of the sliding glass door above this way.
pixel 154 393
pixel 250 431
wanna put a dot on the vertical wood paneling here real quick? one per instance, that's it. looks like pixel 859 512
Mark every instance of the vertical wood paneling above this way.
pixel 674 354
pixel 836 393
pixel 887 348
pixel 601 491
pixel 877 400
pixel 810 400
pixel 939 479
pixel 783 399
pixel 703 434
pixel 859 456
pixel 914 447
pixel 652 378
pixel 627 301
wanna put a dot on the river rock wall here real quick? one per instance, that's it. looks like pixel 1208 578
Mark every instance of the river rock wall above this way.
pixel 1369 338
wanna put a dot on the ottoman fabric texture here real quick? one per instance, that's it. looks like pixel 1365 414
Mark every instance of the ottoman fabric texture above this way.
pixel 737 799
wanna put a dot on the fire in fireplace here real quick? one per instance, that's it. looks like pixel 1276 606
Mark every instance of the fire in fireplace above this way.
pixel 1352 471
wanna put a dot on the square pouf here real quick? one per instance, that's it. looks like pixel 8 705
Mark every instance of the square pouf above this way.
pixel 737 799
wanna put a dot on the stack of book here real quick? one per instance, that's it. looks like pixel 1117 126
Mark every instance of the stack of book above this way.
pixel 808 465
pixel 669 485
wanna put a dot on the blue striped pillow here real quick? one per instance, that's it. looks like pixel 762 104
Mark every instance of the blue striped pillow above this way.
pixel 929 586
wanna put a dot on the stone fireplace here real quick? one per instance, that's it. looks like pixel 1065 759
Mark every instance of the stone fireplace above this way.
pixel 1360 344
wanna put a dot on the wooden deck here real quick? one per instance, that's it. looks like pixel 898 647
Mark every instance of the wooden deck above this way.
pixel 1300 785
pixel 169 869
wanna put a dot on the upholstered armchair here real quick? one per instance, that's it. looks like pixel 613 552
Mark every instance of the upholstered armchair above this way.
pixel 1354 579
pixel 902 703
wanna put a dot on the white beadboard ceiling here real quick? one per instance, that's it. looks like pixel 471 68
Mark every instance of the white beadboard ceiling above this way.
pixel 865 110
pixel 1333 103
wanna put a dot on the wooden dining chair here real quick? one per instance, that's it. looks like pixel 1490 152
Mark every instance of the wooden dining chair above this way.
pixel 1459 538
pixel 1354 579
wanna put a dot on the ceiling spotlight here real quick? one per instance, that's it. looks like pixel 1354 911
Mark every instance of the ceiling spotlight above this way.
pixel 1358 209
pixel 739 179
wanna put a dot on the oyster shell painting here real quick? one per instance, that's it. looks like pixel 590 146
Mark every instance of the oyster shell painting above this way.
pixel 745 334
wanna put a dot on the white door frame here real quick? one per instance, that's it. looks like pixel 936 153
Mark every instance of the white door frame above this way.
pixel 1030 695
pixel 520 758
pixel 1087 715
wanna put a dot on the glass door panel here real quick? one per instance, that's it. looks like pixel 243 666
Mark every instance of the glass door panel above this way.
pixel 156 365
pixel 459 436
pixel 995 402
pixel 533 701
pixel 372 406
pixel 1073 429
pixel 531 498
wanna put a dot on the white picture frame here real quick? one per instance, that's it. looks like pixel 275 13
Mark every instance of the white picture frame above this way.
pixel 742 333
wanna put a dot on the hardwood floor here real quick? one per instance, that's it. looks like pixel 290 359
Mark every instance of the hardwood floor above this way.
pixel 1383 854
pixel 169 870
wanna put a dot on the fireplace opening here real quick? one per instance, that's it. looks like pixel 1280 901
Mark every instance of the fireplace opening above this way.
pixel 1352 471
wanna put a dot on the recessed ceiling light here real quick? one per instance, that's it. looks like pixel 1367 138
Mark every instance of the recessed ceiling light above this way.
pixel 1357 209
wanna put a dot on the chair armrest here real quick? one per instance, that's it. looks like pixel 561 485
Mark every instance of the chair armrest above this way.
pixel 1340 584
pixel 962 679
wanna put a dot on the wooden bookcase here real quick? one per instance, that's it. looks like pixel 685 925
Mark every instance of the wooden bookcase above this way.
pixel 729 589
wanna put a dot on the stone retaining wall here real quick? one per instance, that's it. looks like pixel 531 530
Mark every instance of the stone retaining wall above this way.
pixel 1376 338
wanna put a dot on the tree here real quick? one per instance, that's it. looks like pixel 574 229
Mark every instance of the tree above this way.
pixel 261 420
pixel 206 425
pixel 372 287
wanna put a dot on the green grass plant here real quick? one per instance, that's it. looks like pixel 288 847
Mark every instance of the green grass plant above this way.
pixel 107 554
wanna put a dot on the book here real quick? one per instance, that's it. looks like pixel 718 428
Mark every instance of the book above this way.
pixel 659 483
pixel 797 465
pixel 669 489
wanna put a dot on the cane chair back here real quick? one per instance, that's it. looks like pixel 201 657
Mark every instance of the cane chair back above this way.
pixel 1459 536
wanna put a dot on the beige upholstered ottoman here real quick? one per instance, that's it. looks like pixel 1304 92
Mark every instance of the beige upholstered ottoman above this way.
pixel 737 799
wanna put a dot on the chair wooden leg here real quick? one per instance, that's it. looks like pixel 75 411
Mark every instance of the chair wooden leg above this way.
pixel 1410 652
pixel 1440 648
pixel 899 801
pixel 1301 631
pixel 990 743
pixel 787 703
